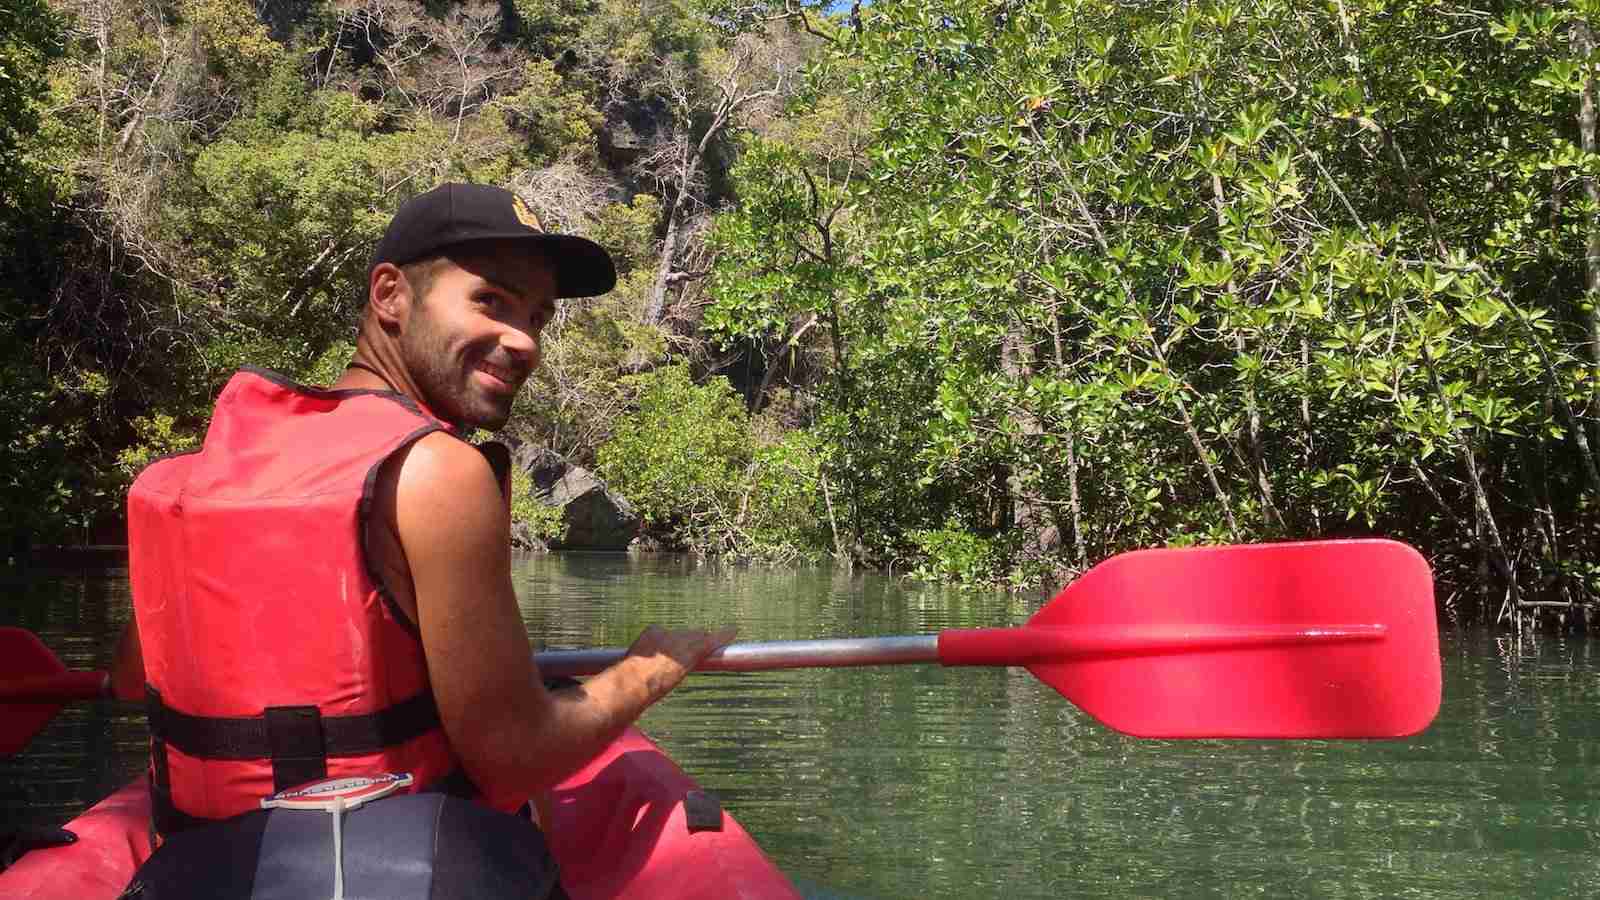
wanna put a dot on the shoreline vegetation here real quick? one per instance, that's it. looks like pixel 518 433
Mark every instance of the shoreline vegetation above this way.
pixel 978 291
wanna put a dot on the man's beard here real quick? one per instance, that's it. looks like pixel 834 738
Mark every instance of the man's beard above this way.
pixel 446 392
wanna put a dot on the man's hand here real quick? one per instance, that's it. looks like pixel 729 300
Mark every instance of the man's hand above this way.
pixel 127 667
pixel 674 653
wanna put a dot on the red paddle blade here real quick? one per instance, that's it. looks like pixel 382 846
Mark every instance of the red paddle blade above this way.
pixel 1326 639
pixel 24 657
pixel 1307 678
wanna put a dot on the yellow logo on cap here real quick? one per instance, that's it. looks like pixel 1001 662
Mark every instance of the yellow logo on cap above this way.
pixel 525 215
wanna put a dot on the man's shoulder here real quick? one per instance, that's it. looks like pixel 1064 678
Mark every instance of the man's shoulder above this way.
pixel 441 464
pixel 444 483
pixel 435 494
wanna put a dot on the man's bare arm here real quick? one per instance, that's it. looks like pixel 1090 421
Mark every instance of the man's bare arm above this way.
pixel 514 737
pixel 127 666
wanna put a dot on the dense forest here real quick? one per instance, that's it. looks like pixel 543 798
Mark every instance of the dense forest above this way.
pixel 980 290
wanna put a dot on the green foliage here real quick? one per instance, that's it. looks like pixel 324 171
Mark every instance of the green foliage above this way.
pixel 231 36
pixel 556 118
pixel 550 26
pixel 193 191
pixel 544 522
pixel 680 454
pixel 686 457
pixel 327 368
pixel 1104 277
pixel 574 398
pixel 1048 280
pixel 783 506
pixel 29 38
pixel 957 554
pixel 628 230
pixel 50 487
pixel 157 435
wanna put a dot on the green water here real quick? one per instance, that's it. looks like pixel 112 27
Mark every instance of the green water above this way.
pixel 924 782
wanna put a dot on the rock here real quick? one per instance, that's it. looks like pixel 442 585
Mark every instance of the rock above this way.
pixel 629 130
pixel 596 518
pixel 543 465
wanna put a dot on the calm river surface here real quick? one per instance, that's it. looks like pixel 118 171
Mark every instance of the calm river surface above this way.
pixel 923 782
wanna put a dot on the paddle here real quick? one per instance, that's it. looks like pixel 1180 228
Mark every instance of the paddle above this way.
pixel 1324 639
pixel 33 676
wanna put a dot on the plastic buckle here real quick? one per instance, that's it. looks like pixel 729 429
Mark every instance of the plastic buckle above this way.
pixel 702 811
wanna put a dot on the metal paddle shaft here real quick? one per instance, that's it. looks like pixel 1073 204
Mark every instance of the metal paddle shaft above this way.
pixel 763 656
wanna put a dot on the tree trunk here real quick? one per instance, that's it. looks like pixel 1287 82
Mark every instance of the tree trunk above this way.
pixel 1488 531
pixel 657 307
pixel 1074 507
pixel 1029 513
pixel 791 344
pixel 1080 557
pixel 1583 43
pixel 102 35
pixel 1269 508
pixel 1305 422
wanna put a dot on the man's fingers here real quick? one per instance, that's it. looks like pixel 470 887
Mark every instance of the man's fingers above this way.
pixel 687 646
pixel 723 636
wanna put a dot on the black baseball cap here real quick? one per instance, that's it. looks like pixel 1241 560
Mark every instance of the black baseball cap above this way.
pixel 457 213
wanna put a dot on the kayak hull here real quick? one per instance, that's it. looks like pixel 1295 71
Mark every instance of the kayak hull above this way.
pixel 619 829
pixel 113 841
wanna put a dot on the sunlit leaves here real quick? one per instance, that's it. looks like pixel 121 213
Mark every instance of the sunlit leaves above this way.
pixel 1199 216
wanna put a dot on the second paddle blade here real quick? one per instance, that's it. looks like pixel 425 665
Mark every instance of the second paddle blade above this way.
pixel 24 656
pixel 1329 639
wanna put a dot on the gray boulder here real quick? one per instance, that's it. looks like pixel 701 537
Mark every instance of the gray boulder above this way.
pixel 596 518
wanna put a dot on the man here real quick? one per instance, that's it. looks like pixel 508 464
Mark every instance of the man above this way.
pixel 324 588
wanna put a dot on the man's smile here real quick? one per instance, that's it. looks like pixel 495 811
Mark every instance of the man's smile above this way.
pixel 508 378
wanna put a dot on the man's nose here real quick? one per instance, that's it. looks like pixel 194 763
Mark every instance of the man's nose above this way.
pixel 519 342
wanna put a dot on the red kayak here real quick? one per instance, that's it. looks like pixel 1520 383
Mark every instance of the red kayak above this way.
pixel 620 829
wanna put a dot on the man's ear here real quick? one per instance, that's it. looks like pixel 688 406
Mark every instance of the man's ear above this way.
pixel 389 294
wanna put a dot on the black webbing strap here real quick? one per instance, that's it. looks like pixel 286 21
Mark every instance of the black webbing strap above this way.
pixel 298 745
pixel 293 734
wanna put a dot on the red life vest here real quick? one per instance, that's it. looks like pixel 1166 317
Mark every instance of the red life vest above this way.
pixel 273 654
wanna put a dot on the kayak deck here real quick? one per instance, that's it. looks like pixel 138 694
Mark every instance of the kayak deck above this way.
pixel 113 840
pixel 619 829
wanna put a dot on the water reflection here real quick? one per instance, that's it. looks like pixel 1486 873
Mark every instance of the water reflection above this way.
pixel 920 781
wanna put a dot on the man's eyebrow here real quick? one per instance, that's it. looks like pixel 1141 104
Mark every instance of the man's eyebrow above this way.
pixel 505 288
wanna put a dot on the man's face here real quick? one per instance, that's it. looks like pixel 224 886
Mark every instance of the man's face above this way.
pixel 474 338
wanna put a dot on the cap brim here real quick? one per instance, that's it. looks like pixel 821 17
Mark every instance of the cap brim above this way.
pixel 583 268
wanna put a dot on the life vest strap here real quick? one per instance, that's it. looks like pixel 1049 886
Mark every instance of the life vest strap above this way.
pixel 292 733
